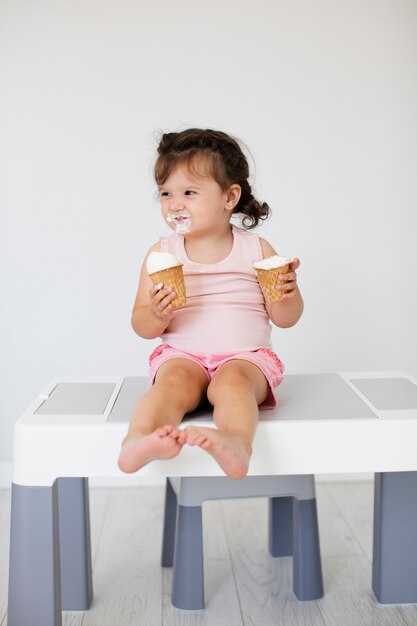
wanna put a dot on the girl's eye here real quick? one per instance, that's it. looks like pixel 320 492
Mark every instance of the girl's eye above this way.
pixel 189 192
pixel 163 194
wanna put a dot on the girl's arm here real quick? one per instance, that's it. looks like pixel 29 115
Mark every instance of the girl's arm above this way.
pixel 287 312
pixel 152 310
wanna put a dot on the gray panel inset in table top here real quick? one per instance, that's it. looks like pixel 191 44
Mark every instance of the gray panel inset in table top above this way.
pixel 388 393
pixel 133 387
pixel 301 396
pixel 77 399
pixel 317 396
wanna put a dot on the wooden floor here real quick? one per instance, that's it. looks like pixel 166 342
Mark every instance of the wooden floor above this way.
pixel 243 584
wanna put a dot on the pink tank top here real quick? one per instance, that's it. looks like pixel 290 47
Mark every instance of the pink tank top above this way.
pixel 225 310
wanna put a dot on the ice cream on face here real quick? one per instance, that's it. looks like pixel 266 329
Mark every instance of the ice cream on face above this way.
pixel 272 262
pixel 182 222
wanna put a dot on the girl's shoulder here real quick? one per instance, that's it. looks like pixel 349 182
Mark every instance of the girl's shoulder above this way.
pixel 156 247
pixel 163 242
pixel 264 247
pixel 267 249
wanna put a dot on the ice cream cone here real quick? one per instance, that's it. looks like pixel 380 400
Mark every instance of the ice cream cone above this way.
pixel 172 277
pixel 268 279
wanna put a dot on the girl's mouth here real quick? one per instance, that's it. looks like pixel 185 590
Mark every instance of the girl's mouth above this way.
pixel 177 218
pixel 182 222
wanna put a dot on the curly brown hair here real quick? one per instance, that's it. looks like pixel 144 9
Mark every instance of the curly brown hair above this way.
pixel 223 160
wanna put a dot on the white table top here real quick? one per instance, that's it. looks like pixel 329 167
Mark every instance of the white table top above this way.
pixel 324 423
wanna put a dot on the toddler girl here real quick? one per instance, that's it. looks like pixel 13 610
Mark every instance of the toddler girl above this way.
pixel 217 346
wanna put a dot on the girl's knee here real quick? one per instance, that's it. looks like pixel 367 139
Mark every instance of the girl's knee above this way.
pixel 181 380
pixel 180 371
pixel 230 380
pixel 175 376
pixel 238 379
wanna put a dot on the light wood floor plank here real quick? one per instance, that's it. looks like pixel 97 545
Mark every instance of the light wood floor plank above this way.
pixel 128 575
pixel 355 502
pixel 264 584
pixel 409 614
pixel 348 599
pixel 336 536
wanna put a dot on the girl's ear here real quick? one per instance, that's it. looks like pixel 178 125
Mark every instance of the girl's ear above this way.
pixel 233 196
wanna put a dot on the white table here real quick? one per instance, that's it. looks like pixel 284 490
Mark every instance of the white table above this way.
pixel 325 423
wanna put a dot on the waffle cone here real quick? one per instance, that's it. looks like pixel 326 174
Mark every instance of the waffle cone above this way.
pixel 268 279
pixel 172 277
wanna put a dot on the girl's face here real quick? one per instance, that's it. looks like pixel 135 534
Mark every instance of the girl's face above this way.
pixel 195 204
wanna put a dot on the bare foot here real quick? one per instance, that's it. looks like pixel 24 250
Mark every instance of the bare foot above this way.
pixel 139 450
pixel 229 452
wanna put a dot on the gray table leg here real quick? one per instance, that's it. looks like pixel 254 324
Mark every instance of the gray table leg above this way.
pixel 188 574
pixel 307 574
pixel 280 526
pixel 394 569
pixel 170 520
pixel 74 534
pixel 35 579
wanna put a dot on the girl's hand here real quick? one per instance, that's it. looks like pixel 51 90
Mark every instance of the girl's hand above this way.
pixel 161 307
pixel 289 288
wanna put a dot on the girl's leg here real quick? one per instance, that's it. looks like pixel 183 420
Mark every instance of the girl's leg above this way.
pixel 179 387
pixel 237 388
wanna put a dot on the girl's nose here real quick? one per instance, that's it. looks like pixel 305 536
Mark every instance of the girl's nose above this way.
pixel 175 205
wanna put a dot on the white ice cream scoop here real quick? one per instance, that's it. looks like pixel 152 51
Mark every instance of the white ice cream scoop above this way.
pixel 272 262
pixel 158 261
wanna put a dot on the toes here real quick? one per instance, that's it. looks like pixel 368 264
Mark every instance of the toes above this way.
pixel 197 440
pixel 190 434
pixel 179 436
pixel 164 431
pixel 182 437
pixel 194 437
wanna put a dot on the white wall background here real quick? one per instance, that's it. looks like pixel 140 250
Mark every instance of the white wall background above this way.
pixel 325 95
